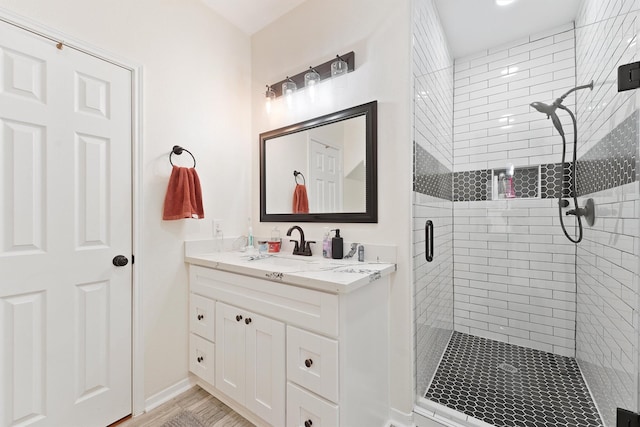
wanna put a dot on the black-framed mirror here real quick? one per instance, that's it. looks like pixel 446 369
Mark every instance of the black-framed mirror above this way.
pixel 334 157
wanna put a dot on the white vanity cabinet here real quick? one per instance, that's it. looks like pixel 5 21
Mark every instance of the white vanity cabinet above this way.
pixel 287 355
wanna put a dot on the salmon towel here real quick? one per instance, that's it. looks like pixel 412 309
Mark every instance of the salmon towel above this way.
pixel 184 195
pixel 300 200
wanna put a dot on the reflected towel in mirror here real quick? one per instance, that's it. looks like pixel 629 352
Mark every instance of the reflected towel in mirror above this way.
pixel 184 195
pixel 300 200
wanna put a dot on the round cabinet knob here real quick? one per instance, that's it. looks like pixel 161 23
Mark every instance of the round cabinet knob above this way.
pixel 308 363
pixel 120 261
pixel 247 320
pixel 200 317
pixel 238 318
pixel 308 423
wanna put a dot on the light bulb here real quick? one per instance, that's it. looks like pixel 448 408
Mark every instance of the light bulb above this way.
pixel 339 67
pixel 288 87
pixel 269 96
pixel 311 78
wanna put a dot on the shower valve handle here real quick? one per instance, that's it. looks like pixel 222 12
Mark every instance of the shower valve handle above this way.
pixel 577 212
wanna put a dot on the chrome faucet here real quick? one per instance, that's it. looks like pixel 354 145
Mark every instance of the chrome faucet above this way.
pixel 302 248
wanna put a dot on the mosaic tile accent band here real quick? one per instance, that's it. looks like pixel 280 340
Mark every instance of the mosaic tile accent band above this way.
pixel 556 181
pixel 430 177
pixel 471 185
pixel 507 385
pixel 612 161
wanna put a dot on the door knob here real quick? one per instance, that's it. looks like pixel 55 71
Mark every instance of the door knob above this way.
pixel 120 260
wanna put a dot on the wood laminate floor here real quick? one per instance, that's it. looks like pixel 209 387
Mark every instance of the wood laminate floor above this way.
pixel 209 411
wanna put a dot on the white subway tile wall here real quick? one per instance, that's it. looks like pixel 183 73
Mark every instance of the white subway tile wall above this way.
pixel 433 116
pixel 513 281
pixel 514 270
pixel 607 259
pixel 493 122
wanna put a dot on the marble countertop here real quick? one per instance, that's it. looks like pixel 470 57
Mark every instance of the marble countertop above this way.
pixel 315 272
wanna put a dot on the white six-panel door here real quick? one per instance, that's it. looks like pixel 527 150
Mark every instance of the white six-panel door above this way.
pixel 325 176
pixel 65 194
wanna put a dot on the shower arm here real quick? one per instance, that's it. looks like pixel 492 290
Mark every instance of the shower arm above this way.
pixel 558 102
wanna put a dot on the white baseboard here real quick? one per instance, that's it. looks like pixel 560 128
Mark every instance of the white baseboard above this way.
pixel 400 419
pixel 168 394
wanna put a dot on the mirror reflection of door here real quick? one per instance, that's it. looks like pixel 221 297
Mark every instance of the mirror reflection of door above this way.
pixel 325 177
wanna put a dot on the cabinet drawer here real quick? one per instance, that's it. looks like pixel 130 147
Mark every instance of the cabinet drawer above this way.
pixel 310 309
pixel 305 409
pixel 202 316
pixel 312 362
pixel 202 358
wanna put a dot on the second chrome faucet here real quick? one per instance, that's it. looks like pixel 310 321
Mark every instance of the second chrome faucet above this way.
pixel 303 247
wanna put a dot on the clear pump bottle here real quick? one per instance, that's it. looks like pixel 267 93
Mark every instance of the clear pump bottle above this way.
pixel 326 243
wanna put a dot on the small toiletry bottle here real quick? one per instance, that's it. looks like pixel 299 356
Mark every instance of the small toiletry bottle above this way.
pixel 510 191
pixel 275 235
pixel 337 246
pixel 275 241
pixel 250 235
pixel 361 253
pixel 326 243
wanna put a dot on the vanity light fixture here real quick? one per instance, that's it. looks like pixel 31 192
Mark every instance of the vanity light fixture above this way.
pixel 269 96
pixel 314 75
pixel 311 78
pixel 288 87
pixel 339 67
pixel 504 2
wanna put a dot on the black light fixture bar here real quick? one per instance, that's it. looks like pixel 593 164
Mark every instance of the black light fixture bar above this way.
pixel 323 69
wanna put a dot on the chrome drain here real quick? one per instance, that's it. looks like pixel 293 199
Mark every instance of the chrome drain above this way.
pixel 508 368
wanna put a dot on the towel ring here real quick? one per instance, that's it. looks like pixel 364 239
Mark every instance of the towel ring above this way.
pixel 295 177
pixel 177 150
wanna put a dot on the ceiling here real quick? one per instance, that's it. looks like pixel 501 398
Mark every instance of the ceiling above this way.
pixel 475 25
pixel 252 15
pixel 470 25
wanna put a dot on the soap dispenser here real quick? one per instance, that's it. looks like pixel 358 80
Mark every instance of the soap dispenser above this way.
pixel 337 246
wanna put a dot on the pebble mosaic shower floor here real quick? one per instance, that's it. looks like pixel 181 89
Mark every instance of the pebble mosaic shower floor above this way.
pixel 507 385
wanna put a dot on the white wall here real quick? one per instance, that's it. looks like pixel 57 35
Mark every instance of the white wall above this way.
pixel 607 262
pixel 196 69
pixel 379 33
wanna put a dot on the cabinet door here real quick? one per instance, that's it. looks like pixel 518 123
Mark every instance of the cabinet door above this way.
pixel 265 359
pixel 230 351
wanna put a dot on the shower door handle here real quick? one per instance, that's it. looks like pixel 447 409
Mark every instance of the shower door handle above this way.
pixel 428 240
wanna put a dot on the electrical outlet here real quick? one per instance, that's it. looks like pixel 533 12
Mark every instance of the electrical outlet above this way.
pixel 216 226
